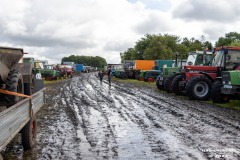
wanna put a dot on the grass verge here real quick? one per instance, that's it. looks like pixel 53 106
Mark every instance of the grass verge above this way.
pixel 233 104
pixel 135 82
pixel 53 81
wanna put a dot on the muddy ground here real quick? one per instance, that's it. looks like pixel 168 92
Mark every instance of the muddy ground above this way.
pixel 84 119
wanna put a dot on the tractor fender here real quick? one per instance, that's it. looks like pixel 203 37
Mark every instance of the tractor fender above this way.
pixel 208 76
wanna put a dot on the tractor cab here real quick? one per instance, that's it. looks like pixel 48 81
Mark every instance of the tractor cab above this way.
pixel 198 58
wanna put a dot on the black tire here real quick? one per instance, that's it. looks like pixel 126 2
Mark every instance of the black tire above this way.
pixel 168 83
pixel 130 74
pixel 14 83
pixel 29 134
pixel 137 75
pixel 199 88
pixel 175 85
pixel 29 88
pixel 160 87
pixel 217 96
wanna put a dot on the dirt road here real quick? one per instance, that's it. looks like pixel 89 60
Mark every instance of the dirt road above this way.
pixel 84 119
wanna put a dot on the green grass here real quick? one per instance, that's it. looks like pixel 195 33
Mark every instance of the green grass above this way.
pixel 233 104
pixel 135 82
pixel 52 82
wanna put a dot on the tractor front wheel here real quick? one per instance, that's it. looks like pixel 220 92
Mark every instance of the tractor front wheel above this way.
pixel 199 88
pixel 14 83
pixel 168 84
pixel 175 85
pixel 217 96
pixel 160 87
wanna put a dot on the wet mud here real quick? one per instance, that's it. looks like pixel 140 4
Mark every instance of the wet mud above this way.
pixel 86 119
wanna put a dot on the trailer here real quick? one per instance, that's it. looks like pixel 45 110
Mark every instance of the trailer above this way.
pixel 21 118
pixel 22 94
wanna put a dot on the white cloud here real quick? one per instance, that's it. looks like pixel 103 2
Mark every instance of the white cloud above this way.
pixel 57 28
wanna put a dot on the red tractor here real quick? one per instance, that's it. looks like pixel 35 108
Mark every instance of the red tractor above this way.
pixel 197 80
pixel 65 70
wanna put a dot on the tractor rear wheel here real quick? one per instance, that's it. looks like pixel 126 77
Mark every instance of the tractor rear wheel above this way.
pixel 29 134
pixel 199 88
pixel 151 79
pixel 175 85
pixel 217 96
pixel 14 83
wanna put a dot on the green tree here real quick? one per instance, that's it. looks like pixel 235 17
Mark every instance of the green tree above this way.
pixel 86 60
pixel 235 44
pixel 231 37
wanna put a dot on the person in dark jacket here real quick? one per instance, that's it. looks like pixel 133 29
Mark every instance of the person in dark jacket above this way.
pixel 100 75
pixel 109 74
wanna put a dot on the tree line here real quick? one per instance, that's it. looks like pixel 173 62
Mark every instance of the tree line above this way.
pixel 152 46
pixel 86 60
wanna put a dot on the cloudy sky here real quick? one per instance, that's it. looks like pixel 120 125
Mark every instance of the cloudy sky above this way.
pixel 52 29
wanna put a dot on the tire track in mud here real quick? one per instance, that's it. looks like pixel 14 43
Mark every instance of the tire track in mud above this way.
pixel 203 119
pixel 94 118
pixel 141 125
pixel 200 121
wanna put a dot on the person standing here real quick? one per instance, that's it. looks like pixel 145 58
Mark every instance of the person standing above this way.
pixel 100 75
pixel 109 74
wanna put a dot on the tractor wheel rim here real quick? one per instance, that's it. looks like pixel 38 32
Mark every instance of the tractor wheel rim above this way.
pixel 201 89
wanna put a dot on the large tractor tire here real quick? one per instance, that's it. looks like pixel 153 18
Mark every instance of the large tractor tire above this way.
pixel 160 87
pixel 14 83
pixel 137 75
pixel 29 134
pixel 150 79
pixel 130 74
pixel 29 88
pixel 217 96
pixel 175 85
pixel 199 88
pixel 168 83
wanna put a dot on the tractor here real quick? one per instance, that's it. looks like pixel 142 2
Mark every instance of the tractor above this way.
pixel 151 75
pixel 50 73
pixel 197 80
pixel 19 78
pixel 16 77
pixel 228 85
pixel 142 75
pixel 120 74
pixel 197 58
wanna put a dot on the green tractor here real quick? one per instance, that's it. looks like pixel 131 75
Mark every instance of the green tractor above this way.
pixel 152 75
pixel 120 74
pixel 167 72
pixel 142 75
pixel 228 85
pixel 37 66
pixel 49 73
